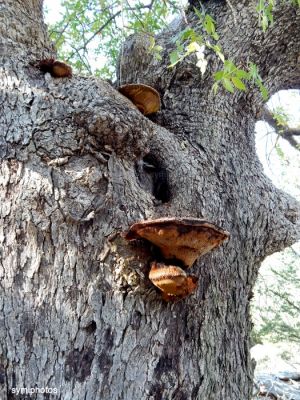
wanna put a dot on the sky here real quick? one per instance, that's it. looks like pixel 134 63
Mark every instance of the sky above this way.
pixel 54 9
pixel 284 172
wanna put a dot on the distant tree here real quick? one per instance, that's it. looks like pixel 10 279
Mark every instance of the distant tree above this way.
pixel 277 301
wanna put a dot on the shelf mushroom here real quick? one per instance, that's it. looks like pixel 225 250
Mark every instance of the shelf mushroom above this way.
pixel 184 239
pixel 57 69
pixel 172 281
pixel 144 97
pixel 181 239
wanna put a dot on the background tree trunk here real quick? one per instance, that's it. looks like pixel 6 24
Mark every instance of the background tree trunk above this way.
pixel 78 311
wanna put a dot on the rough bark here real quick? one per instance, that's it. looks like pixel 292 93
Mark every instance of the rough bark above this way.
pixel 78 311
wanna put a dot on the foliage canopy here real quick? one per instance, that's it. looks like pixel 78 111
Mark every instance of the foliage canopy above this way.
pixel 90 28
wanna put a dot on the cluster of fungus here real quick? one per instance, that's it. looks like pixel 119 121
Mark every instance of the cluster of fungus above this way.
pixel 180 241
pixel 144 97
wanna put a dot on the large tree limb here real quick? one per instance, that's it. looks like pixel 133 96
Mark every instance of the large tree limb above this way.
pixel 275 52
pixel 29 34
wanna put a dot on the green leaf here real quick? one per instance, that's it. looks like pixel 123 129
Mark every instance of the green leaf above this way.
pixel 221 56
pixel 279 151
pixel 174 58
pixel 179 46
pixel 215 88
pixel 260 6
pixel 192 47
pixel 198 13
pixel 219 75
pixel 264 22
pixel 228 85
pixel 152 43
pixel 242 74
pixel 215 36
pixel 158 48
pixel 281 117
pixel 253 71
pixel 238 83
pixel 209 24
pixel 229 66
pixel 187 33
pixel 263 90
pixel 156 52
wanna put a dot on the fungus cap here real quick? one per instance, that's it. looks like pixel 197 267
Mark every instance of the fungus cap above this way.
pixel 172 280
pixel 144 97
pixel 57 69
pixel 61 70
pixel 184 239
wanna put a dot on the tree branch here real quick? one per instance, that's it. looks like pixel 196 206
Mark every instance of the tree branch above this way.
pixel 111 19
pixel 284 132
pixel 83 47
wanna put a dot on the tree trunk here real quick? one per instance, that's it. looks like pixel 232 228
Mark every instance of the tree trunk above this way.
pixel 79 314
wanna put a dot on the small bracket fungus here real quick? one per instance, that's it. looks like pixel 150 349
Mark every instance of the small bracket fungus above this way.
pixel 182 239
pixel 57 69
pixel 144 97
pixel 172 281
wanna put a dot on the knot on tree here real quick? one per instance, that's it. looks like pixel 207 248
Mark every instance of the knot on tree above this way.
pixel 120 130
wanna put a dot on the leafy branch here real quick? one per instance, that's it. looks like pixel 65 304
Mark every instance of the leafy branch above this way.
pixel 230 76
pixel 265 10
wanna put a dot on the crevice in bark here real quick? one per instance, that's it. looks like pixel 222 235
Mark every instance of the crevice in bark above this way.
pixel 78 364
pixel 91 328
pixel 153 176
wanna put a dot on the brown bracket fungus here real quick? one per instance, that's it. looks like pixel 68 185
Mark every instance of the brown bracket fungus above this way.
pixel 172 281
pixel 144 97
pixel 184 239
pixel 57 69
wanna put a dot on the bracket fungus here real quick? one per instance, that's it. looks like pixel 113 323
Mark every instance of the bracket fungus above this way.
pixel 184 239
pixel 172 281
pixel 144 97
pixel 57 69
pixel 181 239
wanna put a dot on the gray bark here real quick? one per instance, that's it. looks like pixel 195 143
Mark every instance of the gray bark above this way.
pixel 78 311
